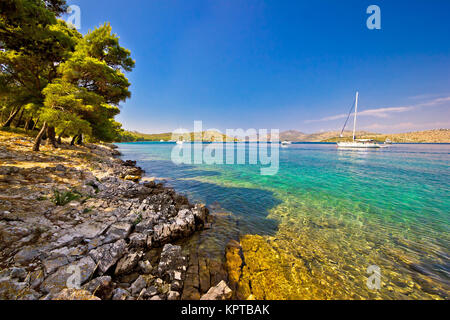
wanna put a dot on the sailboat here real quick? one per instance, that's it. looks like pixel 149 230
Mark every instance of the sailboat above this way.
pixel 357 143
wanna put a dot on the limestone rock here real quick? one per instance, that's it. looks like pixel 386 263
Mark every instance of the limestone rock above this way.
pixel 145 266
pixel 120 294
pixel 75 294
pixel 68 239
pixel 138 240
pixel 118 231
pixel 219 292
pixel 176 286
pixel 171 260
pixel 14 273
pixel 26 255
pixel 138 285
pixel 100 287
pixel 127 263
pixel 173 295
pixel 132 178
pixel 51 265
pixel 89 229
pixel 59 247
pixel 35 278
pixel 107 255
pixel 10 289
pixel 79 272
pixel 152 291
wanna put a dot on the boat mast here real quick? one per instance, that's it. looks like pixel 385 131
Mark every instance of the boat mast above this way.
pixel 356 111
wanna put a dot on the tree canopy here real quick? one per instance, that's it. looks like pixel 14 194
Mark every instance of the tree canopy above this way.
pixel 75 83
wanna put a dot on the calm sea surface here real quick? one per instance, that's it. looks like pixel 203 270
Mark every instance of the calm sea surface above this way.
pixel 332 213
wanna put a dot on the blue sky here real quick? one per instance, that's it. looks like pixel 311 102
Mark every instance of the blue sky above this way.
pixel 281 64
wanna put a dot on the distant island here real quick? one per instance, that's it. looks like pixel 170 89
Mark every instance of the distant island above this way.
pixel 427 136
pixel 135 136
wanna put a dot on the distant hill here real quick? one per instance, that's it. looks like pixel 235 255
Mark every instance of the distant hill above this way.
pixel 292 135
pixel 297 136
pixel 430 136
pixel 133 136
pixel 427 136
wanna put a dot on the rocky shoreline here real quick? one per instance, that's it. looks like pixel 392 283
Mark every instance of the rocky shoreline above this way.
pixel 77 223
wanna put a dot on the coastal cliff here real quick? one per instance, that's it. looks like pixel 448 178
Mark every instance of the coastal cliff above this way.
pixel 75 223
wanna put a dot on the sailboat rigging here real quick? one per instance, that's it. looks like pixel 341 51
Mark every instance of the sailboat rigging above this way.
pixel 356 143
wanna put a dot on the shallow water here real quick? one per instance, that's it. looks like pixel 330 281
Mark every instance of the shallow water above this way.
pixel 312 230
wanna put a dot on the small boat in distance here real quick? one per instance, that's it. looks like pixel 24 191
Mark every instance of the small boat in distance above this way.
pixel 388 141
pixel 180 141
pixel 285 143
pixel 356 143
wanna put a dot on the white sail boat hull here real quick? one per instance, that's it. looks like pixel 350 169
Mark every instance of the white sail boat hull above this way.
pixel 357 144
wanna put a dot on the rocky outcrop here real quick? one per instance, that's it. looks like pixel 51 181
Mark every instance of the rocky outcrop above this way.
pixel 219 292
pixel 74 274
pixel 74 294
pixel 107 255
pixel 79 227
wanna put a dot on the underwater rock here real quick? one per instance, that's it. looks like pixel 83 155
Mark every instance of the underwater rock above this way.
pixel 234 264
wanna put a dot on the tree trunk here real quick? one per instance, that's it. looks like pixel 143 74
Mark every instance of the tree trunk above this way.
pixel 37 141
pixel 20 118
pixel 35 124
pixel 80 139
pixel 60 136
pixel 29 124
pixel 73 140
pixel 51 136
pixel 8 122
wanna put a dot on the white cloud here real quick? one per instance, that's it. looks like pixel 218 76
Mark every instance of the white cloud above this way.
pixel 384 112
pixel 424 96
pixel 434 102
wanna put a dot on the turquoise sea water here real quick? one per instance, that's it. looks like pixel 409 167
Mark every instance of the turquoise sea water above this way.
pixel 344 209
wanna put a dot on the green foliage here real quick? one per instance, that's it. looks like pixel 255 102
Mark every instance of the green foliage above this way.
pixel 32 45
pixel 24 24
pixel 71 82
pixel 65 122
pixel 64 197
pixel 103 45
pixel 86 210
pixel 138 219
pixel 94 73
pixel 127 136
